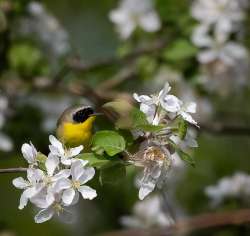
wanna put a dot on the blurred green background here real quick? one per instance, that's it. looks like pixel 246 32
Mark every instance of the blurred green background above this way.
pixel 92 37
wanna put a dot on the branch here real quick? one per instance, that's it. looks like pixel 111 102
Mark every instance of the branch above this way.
pixel 13 170
pixel 75 64
pixel 203 221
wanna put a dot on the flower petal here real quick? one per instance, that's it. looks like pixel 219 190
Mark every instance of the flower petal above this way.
pixel 171 103
pixel 34 175
pixel 68 196
pixel 23 201
pixel 87 192
pixel 61 174
pixel 20 183
pixel 51 164
pixel 75 151
pixel 87 175
pixel 29 152
pixel 62 184
pixel 56 146
pixel 147 187
pixel 44 215
pixel 188 118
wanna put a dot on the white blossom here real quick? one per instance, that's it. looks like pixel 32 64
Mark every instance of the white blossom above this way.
pixel 135 13
pixel 80 175
pixel 29 153
pixel 45 28
pixel 185 110
pixel 147 213
pixel 155 161
pixel 224 14
pixel 50 207
pixel 31 187
pixel 154 105
pixel 54 181
pixel 217 47
pixel 66 155
pixel 154 155
pixel 236 186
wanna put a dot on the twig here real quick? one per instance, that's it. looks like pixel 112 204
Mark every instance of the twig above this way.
pixel 13 170
pixel 75 64
pixel 203 221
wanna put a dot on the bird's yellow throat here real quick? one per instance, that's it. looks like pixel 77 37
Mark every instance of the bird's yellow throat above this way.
pixel 75 134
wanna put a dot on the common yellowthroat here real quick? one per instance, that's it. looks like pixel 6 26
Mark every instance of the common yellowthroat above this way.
pixel 75 125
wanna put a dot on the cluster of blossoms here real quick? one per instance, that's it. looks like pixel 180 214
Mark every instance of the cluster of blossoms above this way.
pixel 135 13
pixel 54 182
pixel 46 28
pixel 219 19
pixel 218 34
pixel 146 214
pixel 5 142
pixel 236 186
pixel 157 152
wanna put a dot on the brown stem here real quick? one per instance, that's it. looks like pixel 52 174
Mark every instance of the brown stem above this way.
pixel 184 226
pixel 13 170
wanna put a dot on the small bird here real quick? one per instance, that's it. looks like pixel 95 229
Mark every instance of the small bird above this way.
pixel 75 125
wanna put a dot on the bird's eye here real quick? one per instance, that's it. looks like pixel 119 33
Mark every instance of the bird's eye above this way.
pixel 81 115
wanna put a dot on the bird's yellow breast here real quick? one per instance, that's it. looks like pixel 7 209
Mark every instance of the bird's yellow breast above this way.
pixel 75 134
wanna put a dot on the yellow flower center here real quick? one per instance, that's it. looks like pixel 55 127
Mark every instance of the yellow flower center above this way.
pixel 76 184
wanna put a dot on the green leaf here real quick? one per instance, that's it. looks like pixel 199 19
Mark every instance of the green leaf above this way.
pixel 110 141
pixel 138 118
pixel 180 50
pixel 182 129
pixel 183 155
pixel 94 160
pixel 113 174
pixel 186 157
pixel 150 128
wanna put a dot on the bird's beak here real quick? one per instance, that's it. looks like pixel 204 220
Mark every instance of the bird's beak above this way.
pixel 97 114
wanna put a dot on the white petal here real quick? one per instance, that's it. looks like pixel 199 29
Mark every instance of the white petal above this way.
pixel 66 161
pixel 41 199
pixel 149 111
pixel 171 103
pixel 62 184
pixel 87 192
pixel 30 192
pixel 175 139
pixel 77 169
pixel 23 201
pixel 56 146
pixel 76 198
pixel 34 175
pixel 75 151
pixel 145 189
pixel 150 22
pixel 143 98
pixel 68 196
pixel 51 164
pixel 29 152
pixel 44 215
pixel 188 118
pixel 164 91
pixel 61 174
pixel 87 175
pixel 20 183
